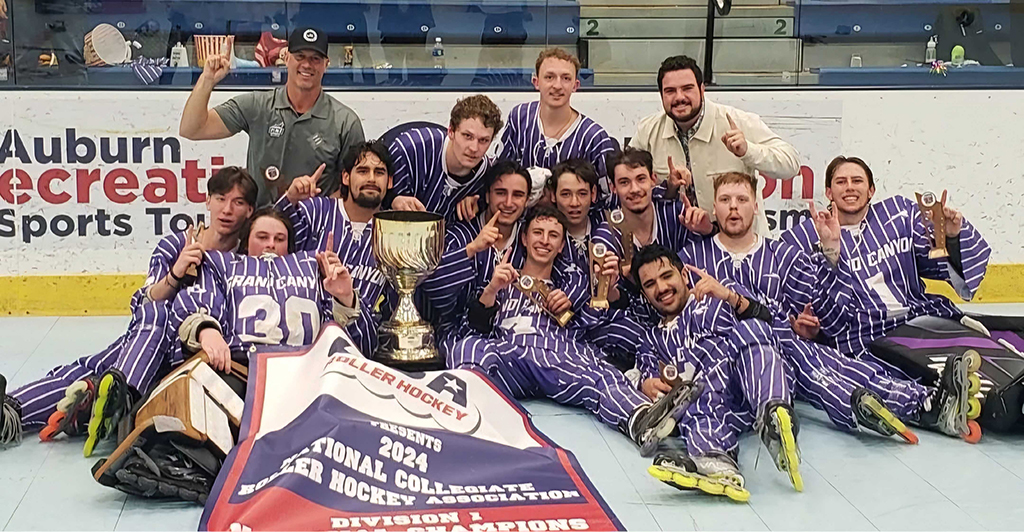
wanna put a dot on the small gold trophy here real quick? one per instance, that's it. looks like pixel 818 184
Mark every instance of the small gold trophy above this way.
pixel 932 211
pixel 598 283
pixel 669 374
pixel 192 272
pixel 538 292
pixel 617 219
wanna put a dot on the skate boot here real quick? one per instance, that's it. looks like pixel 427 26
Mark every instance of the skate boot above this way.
pixel 953 407
pixel 114 400
pixel 872 414
pixel 71 416
pixel 777 426
pixel 651 423
pixel 10 417
pixel 714 475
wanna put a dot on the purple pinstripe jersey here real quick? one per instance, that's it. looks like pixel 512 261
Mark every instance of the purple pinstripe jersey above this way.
pixel 268 300
pixel 160 263
pixel 577 250
pixel 316 218
pixel 519 321
pixel 777 274
pixel 668 231
pixel 421 171
pixel 698 336
pixel 882 266
pixel 523 140
pixel 457 277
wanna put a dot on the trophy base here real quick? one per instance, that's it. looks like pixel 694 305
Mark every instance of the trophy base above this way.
pixel 938 253
pixel 408 347
pixel 595 303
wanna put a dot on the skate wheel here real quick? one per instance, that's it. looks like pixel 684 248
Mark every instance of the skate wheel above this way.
pixel 909 436
pixel 973 360
pixel 737 494
pixel 52 425
pixel 974 432
pixel 710 487
pixel 973 408
pixel 974 383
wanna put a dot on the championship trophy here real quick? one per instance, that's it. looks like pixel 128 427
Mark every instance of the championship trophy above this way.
pixel 538 292
pixel 407 246
pixel 617 219
pixel 598 282
pixel 932 211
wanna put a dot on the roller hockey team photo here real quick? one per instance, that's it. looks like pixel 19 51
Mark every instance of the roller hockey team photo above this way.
pixel 511 266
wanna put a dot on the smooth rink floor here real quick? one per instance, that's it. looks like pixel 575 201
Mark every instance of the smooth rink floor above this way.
pixel 852 481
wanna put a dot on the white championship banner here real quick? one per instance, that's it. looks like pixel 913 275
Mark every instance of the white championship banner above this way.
pixel 333 441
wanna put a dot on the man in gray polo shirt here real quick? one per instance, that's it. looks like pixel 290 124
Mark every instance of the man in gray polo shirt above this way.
pixel 293 130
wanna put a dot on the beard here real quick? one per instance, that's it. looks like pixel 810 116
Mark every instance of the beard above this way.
pixel 694 112
pixel 368 202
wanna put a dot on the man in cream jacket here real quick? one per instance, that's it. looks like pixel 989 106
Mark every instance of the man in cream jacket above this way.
pixel 702 139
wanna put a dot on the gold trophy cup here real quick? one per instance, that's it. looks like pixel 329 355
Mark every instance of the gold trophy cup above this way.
pixel 932 210
pixel 407 246
pixel 598 283
pixel 538 292
pixel 617 219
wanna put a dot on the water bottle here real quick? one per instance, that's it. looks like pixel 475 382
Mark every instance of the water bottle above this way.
pixel 929 50
pixel 438 53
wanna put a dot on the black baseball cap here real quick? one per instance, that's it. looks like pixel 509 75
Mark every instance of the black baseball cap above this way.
pixel 307 38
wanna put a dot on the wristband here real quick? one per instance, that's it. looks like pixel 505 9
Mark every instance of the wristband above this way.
pixel 175 277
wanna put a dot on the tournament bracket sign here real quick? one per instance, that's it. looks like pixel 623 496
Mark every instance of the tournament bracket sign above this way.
pixel 333 441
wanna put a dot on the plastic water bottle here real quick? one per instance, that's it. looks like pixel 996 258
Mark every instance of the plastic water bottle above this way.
pixel 438 53
pixel 929 50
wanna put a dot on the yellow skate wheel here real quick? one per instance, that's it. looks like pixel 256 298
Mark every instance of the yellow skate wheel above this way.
pixel 973 360
pixel 711 487
pixel 737 494
pixel 975 383
pixel 789 448
pixel 671 477
pixel 102 395
pixel 973 408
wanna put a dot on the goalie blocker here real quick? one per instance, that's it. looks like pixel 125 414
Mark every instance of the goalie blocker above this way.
pixel 920 348
pixel 182 433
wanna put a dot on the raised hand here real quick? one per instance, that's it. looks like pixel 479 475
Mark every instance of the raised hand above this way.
pixel 305 186
pixel 694 218
pixel 707 285
pixel 489 234
pixel 734 139
pixel 337 278
pixel 826 223
pixel 217 66
pixel 468 208
pixel 504 274
pixel 806 324
pixel 678 176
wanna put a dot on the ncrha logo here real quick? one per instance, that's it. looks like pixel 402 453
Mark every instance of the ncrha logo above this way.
pixel 442 395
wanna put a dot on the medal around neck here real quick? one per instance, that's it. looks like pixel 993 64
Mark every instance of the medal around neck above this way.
pixel 407 246
pixel 935 217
